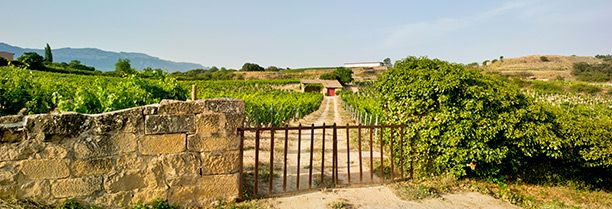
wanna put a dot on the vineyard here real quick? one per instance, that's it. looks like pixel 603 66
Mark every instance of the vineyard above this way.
pixel 265 104
pixel 34 92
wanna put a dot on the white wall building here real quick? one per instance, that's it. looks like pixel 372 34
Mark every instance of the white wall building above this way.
pixel 363 64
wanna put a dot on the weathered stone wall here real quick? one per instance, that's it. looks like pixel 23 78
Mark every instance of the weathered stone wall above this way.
pixel 186 152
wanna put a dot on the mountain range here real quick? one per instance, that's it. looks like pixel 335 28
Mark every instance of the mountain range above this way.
pixel 105 60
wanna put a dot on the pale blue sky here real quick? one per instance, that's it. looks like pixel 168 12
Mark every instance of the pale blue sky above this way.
pixel 310 33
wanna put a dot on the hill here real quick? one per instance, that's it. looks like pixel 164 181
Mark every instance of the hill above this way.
pixel 105 60
pixel 535 67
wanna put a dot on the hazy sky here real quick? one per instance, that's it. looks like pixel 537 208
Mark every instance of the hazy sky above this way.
pixel 293 34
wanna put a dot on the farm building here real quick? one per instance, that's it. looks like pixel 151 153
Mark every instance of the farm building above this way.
pixel 329 87
pixel 6 55
pixel 363 64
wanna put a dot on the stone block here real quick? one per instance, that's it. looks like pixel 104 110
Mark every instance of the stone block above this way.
pixel 176 165
pixel 175 107
pixel 215 187
pixel 125 120
pixel 149 195
pixel 184 196
pixel 105 145
pixel 20 151
pixel 163 144
pixel 209 123
pixel 214 142
pixel 91 167
pixel 125 181
pixel 150 109
pixel 233 121
pixel 67 124
pixel 53 151
pixel 225 105
pixel 39 190
pixel 220 162
pixel 76 187
pixel 115 200
pixel 11 136
pixel 164 124
pixel 44 169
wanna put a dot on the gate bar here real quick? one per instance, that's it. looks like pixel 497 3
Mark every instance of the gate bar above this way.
pixel 371 157
pixel 348 155
pixel 311 151
pixel 402 151
pixel 298 157
pixel 382 160
pixel 360 164
pixel 285 166
pixel 323 157
pixel 271 176
pixel 256 162
pixel 391 146
pixel 241 157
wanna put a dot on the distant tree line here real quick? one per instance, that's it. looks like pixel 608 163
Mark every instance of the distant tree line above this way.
pixel 342 74
pixel 593 72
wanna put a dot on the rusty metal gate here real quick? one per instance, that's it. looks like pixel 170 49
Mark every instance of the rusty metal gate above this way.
pixel 265 174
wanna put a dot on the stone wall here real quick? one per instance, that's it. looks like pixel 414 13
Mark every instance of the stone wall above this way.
pixel 185 152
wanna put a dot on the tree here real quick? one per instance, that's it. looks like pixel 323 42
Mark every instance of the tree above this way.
pixel 251 67
pixel 123 67
pixel 213 69
pixel 32 60
pixel 328 76
pixel 544 59
pixel 501 58
pixel 388 62
pixel 3 62
pixel 484 63
pixel 48 54
pixel 273 68
pixel 344 75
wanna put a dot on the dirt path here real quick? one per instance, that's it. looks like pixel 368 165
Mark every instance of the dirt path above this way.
pixel 372 196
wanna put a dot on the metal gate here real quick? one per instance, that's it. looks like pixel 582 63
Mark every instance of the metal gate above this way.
pixel 310 157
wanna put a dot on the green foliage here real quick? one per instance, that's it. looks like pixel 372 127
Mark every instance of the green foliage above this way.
pixel 606 57
pixel 32 60
pixel 265 104
pixel 456 117
pixel 484 63
pixel 210 74
pixel 45 91
pixel 157 204
pixel 18 90
pixel 342 74
pixel 328 76
pixel 48 54
pixel 585 88
pixel 251 67
pixel 388 63
pixel 273 68
pixel 123 67
pixel 544 59
pixel 593 72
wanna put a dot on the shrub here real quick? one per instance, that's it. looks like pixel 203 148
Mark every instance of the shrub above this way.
pixel 457 116
pixel 544 59
pixel 328 76
pixel 592 72
pixel 251 67
pixel 585 88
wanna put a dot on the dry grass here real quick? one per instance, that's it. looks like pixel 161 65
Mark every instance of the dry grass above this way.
pixel 521 194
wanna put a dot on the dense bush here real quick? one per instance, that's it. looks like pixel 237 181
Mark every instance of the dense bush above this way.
pixel 32 60
pixel 592 72
pixel 342 74
pixel 457 117
pixel 251 67
pixel 544 59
